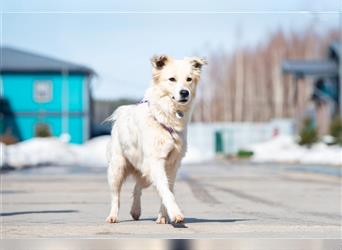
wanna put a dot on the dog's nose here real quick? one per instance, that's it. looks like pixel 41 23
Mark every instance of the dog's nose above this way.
pixel 184 93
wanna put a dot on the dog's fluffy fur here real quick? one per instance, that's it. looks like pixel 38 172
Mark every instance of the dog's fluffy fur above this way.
pixel 149 139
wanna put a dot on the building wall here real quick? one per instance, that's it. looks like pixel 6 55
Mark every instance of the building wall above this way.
pixel 65 112
pixel 235 135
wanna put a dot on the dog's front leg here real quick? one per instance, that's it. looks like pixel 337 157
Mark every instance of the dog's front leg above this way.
pixel 160 181
pixel 162 215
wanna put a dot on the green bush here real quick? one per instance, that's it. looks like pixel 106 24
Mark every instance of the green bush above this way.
pixel 244 153
pixel 308 134
pixel 336 130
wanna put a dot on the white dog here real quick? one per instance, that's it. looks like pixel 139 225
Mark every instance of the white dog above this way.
pixel 148 140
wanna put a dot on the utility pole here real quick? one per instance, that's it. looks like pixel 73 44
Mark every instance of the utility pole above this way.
pixel 340 62
pixel 65 102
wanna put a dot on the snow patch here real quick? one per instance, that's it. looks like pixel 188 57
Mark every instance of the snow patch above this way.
pixel 284 149
pixel 92 153
pixel 55 151
pixel 194 155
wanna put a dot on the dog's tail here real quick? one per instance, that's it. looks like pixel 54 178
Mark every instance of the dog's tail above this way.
pixel 113 117
pixel 109 119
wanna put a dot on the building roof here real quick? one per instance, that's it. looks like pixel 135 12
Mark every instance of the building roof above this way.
pixel 301 68
pixel 19 61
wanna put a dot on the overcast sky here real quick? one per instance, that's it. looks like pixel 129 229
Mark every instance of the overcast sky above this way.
pixel 117 39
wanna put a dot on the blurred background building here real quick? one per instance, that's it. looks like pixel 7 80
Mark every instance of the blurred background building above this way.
pixel 324 78
pixel 43 96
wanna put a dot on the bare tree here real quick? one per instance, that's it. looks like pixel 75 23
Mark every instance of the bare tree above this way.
pixel 249 85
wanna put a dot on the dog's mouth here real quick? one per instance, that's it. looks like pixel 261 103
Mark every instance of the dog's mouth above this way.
pixel 182 100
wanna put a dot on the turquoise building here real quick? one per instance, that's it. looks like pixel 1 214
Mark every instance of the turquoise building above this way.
pixel 42 96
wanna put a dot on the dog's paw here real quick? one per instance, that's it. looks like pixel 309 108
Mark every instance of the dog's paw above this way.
pixel 135 213
pixel 179 218
pixel 161 219
pixel 112 219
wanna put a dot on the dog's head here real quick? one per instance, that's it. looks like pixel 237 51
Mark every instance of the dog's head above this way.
pixel 177 78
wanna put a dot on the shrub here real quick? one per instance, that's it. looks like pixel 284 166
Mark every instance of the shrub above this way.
pixel 244 153
pixel 336 130
pixel 8 139
pixel 308 134
pixel 42 130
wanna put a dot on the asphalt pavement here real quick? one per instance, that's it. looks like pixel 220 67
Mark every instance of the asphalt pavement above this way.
pixel 218 199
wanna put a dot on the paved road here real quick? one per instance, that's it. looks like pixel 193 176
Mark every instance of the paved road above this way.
pixel 218 199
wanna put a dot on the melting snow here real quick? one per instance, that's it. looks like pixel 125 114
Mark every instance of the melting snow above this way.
pixel 56 151
pixel 285 149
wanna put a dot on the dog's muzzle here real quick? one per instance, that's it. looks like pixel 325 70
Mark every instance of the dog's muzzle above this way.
pixel 182 96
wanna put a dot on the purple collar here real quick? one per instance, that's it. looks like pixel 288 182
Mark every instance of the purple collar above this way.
pixel 167 128
pixel 144 101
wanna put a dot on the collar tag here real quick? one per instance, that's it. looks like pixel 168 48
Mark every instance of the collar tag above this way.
pixel 179 114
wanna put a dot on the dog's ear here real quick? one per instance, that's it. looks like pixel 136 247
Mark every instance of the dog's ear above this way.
pixel 198 62
pixel 158 62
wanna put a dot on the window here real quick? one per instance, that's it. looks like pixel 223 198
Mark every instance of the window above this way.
pixel 42 91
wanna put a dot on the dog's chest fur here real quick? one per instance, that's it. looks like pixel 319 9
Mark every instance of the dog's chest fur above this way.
pixel 177 151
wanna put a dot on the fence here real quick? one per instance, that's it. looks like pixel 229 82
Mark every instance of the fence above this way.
pixel 205 140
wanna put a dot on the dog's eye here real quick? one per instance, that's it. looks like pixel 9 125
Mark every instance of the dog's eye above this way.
pixel 172 79
pixel 189 79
